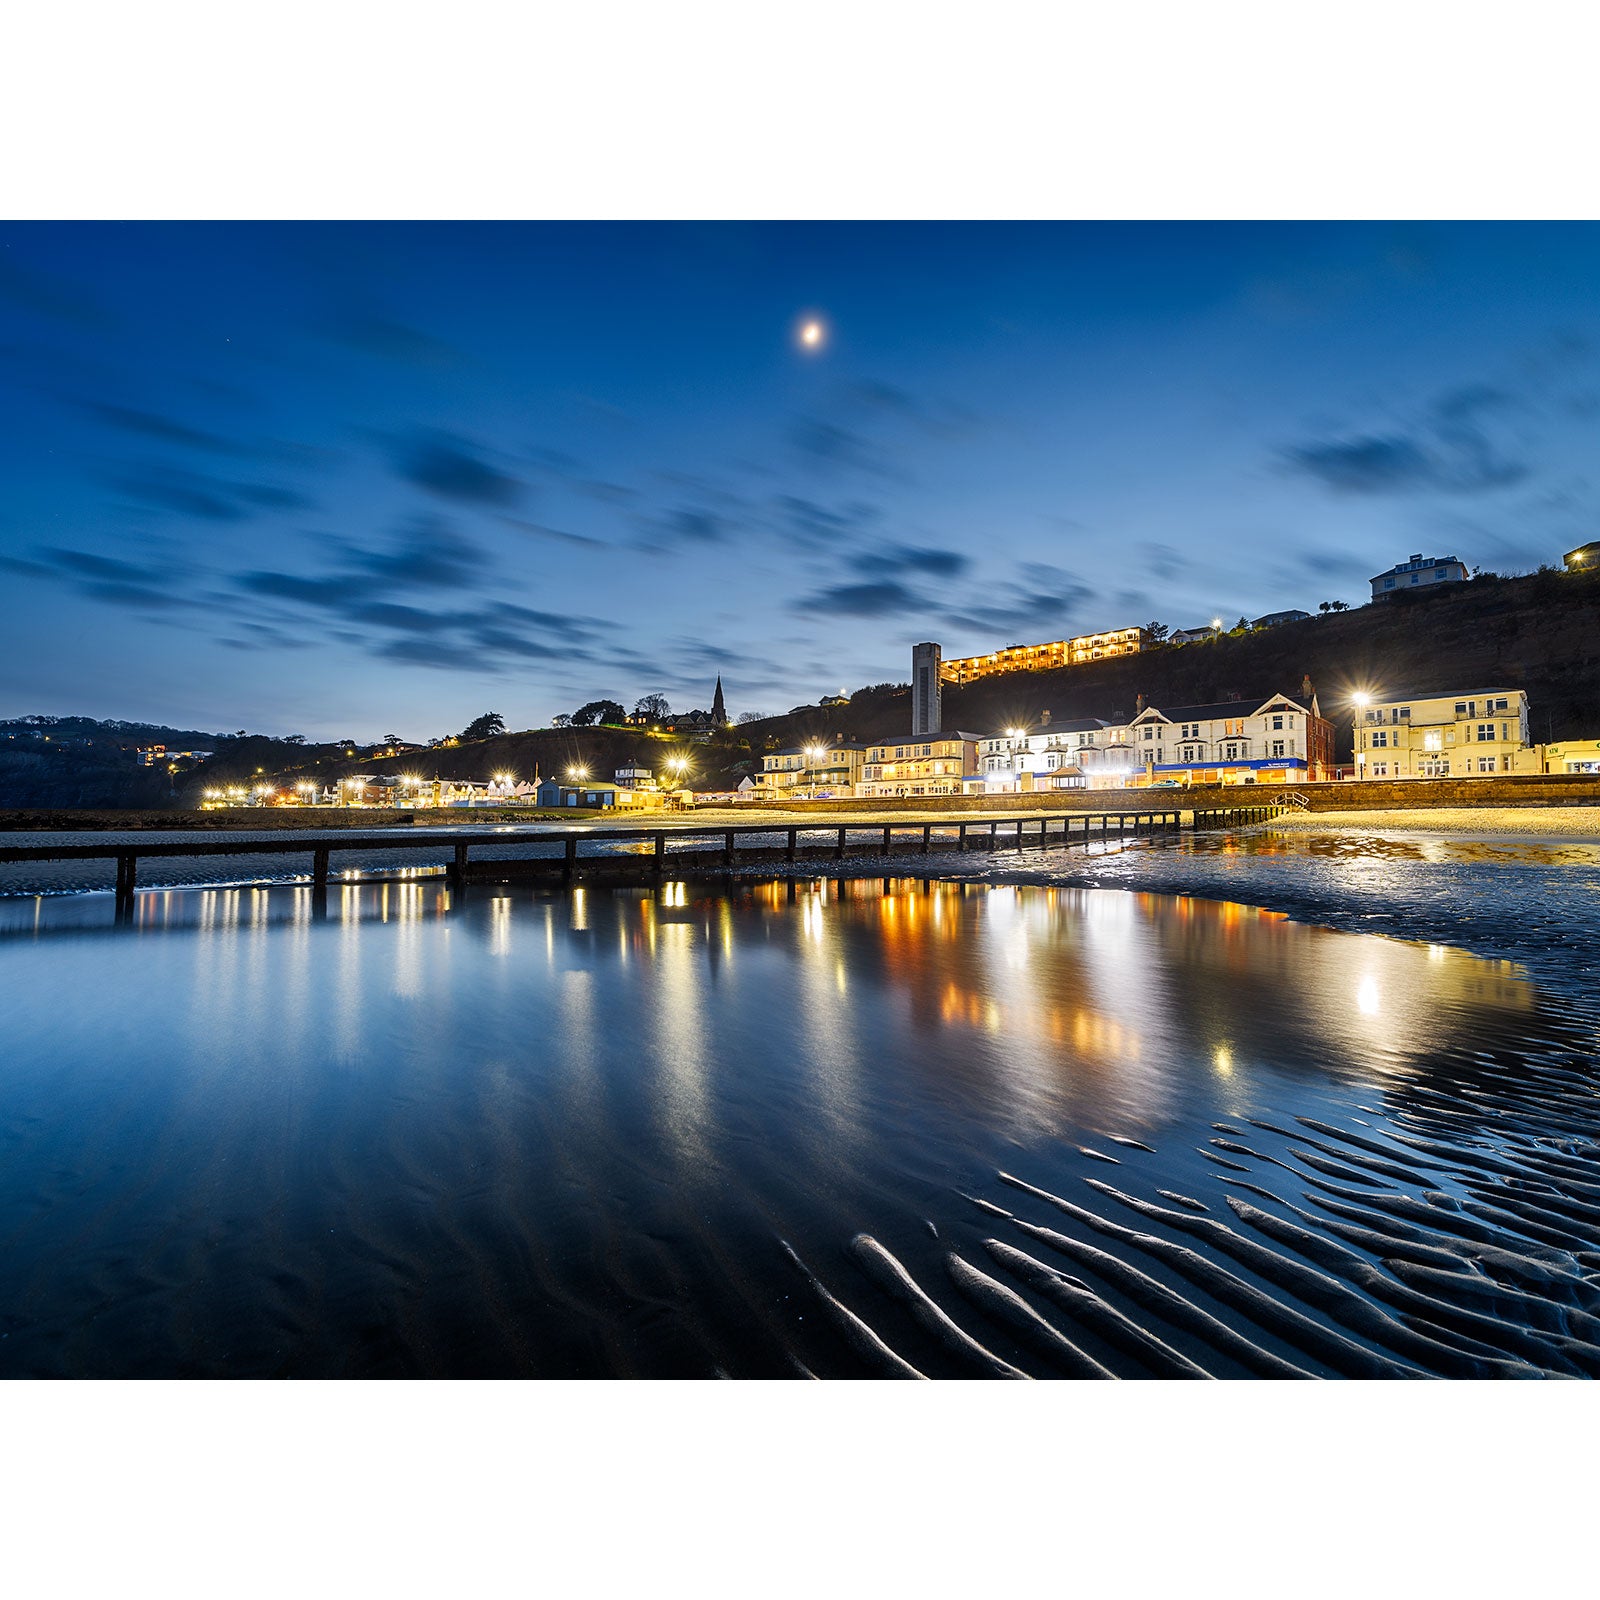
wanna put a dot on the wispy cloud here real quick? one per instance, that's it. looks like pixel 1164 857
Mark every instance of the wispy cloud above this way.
pixel 453 468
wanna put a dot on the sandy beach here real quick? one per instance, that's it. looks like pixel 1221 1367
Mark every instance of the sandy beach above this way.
pixel 1483 822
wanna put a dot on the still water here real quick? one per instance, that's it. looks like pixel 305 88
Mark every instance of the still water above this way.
pixel 682 1130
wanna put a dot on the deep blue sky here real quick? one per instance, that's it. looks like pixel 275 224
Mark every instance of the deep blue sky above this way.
pixel 348 480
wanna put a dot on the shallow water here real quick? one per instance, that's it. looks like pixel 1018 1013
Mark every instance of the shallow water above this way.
pixel 693 1130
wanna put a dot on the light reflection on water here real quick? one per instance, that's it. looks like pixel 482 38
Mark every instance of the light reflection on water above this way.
pixel 540 1115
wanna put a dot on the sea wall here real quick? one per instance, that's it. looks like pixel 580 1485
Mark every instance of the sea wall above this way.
pixel 1410 794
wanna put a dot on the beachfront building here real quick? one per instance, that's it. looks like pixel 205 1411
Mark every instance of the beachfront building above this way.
pixel 553 794
pixel 930 766
pixel 1417 572
pixel 1571 755
pixel 1586 558
pixel 632 774
pixel 1276 619
pixel 1281 739
pixel 1471 733
pixel 1060 755
pixel 1211 630
pixel 810 772
pixel 1041 657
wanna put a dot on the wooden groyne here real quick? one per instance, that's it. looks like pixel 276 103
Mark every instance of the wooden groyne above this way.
pixel 643 854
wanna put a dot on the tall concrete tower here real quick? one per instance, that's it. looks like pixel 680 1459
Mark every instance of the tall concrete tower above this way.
pixel 926 710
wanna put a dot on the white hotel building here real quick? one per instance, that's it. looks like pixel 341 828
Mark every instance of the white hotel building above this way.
pixel 1085 753
pixel 1282 739
pixel 1472 733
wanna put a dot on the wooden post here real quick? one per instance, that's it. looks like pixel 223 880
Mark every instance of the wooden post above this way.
pixel 727 848
pixel 569 864
pixel 319 869
pixel 127 877
pixel 461 864
pixel 789 849
pixel 961 837
pixel 994 834
pixel 888 842
pixel 927 838
pixel 660 862
pixel 838 849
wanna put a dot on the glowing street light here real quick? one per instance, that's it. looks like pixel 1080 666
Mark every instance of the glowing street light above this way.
pixel 1360 700
pixel 579 774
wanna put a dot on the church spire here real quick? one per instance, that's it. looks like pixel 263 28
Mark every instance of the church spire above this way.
pixel 719 709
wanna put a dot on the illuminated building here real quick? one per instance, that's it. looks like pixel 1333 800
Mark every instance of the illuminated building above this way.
pixel 1064 755
pixel 1472 733
pixel 1572 755
pixel 1276 740
pixel 1041 657
pixel 1586 558
pixel 813 771
pixel 933 766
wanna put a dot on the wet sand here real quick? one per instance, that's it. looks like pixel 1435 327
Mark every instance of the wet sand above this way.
pixel 1487 822
pixel 843 1129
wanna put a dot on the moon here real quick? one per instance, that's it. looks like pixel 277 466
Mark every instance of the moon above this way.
pixel 812 334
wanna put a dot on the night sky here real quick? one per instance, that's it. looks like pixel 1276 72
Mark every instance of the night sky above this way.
pixel 349 480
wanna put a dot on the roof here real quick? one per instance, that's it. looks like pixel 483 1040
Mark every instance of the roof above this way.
pixel 1077 725
pixel 1222 708
pixel 829 749
pixel 1441 694
pixel 1416 564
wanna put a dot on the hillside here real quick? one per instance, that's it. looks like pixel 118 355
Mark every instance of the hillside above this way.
pixel 1540 633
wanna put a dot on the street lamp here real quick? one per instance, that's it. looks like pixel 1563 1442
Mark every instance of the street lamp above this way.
pixel 1360 700
pixel 814 754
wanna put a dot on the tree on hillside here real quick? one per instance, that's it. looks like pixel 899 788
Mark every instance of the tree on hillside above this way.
pixel 1157 632
pixel 484 727
pixel 751 716
pixel 653 706
pixel 294 738
pixel 1338 605
pixel 597 711
pixel 392 738
pixel 561 720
